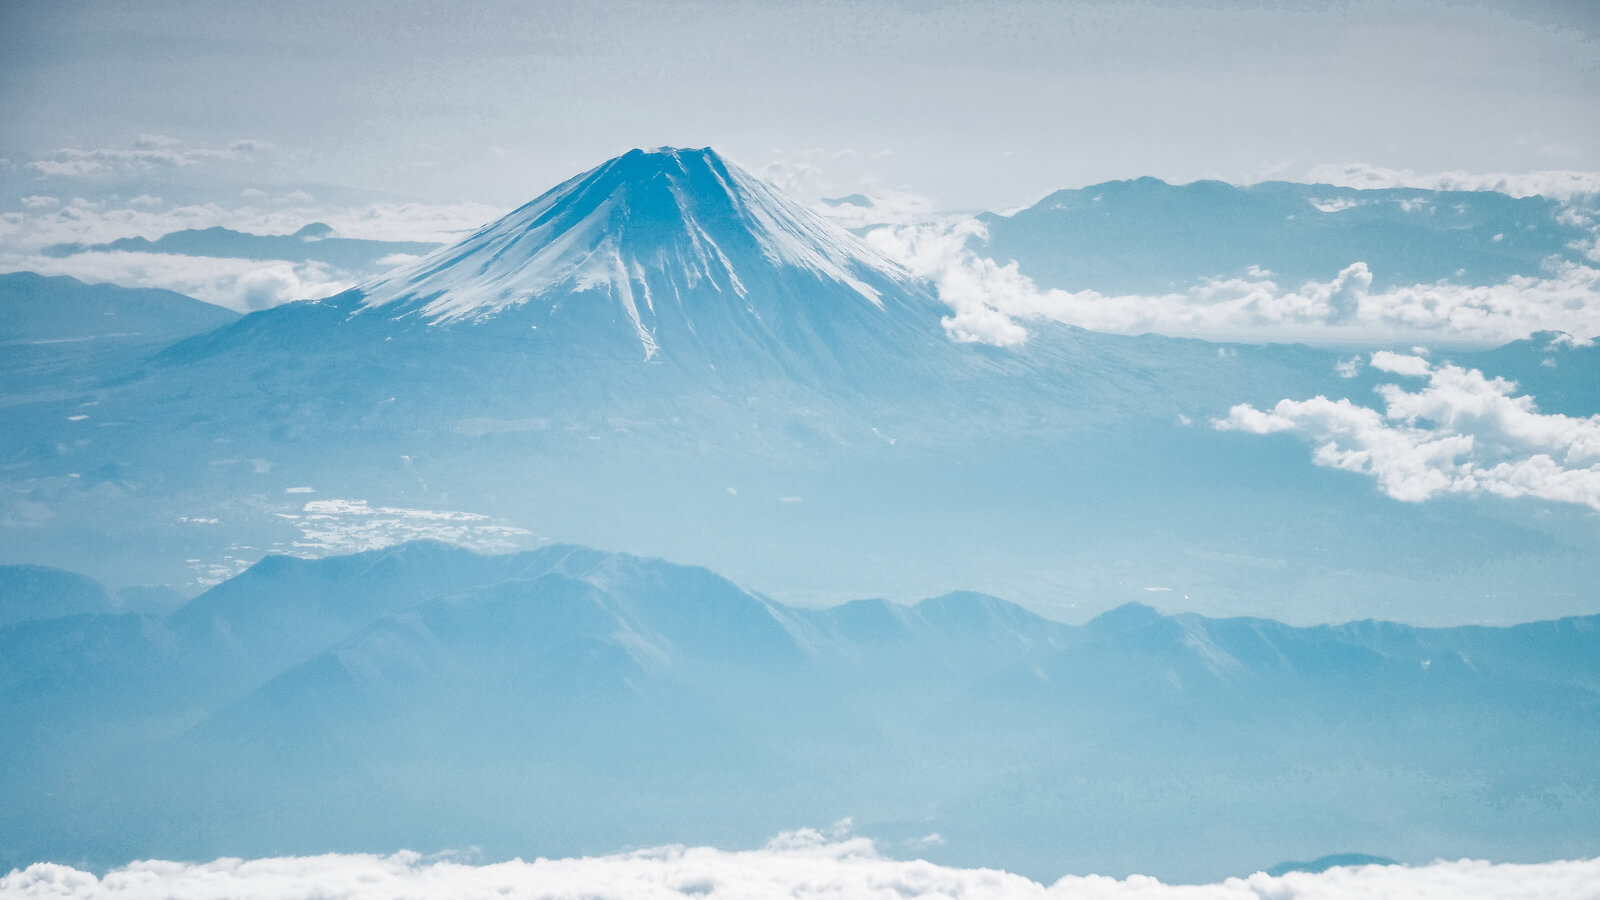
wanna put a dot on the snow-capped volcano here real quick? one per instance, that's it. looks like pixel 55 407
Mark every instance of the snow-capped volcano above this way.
pixel 686 253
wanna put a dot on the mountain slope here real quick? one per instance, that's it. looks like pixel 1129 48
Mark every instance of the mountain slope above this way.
pixel 59 335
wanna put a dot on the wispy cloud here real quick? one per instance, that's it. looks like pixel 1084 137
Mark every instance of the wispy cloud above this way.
pixel 794 865
pixel 992 301
pixel 1461 433
pixel 150 151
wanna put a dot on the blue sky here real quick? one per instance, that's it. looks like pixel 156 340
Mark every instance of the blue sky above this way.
pixel 973 105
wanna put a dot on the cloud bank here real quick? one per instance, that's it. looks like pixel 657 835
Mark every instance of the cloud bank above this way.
pixel 990 300
pixel 802 864
pixel 1461 433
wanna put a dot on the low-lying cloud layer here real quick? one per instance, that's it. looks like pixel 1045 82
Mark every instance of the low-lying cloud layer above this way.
pixel 1462 433
pixel 27 236
pixel 243 285
pixel 78 197
pixel 329 527
pixel 795 865
pixel 990 301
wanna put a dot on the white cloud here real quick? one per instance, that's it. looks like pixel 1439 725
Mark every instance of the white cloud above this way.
pixel 1337 204
pixel 984 295
pixel 1400 364
pixel 239 284
pixel 979 324
pixel 40 202
pixel 1589 248
pixel 795 865
pixel 991 300
pixel 150 151
pixel 1464 433
pixel 1561 184
pixel 210 572
pixel 329 527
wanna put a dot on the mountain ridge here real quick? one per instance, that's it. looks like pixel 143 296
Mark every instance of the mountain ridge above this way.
pixel 508 701
pixel 1145 235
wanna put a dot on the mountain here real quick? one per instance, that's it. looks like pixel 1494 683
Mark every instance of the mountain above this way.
pixel 30 593
pixel 37 309
pixel 58 332
pixel 1324 863
pixel 1147 236
pixel 567 700
pixel 674 258
pixel 315 242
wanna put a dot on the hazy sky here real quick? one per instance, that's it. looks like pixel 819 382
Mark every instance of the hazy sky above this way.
pixel 974 105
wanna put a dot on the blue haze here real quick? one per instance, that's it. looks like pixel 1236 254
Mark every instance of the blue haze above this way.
pixel 664 357
pixel 1058 474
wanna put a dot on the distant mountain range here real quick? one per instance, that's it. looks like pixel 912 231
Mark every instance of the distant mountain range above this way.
pixel 1145 236
pixel 566 701
pixel 315 242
